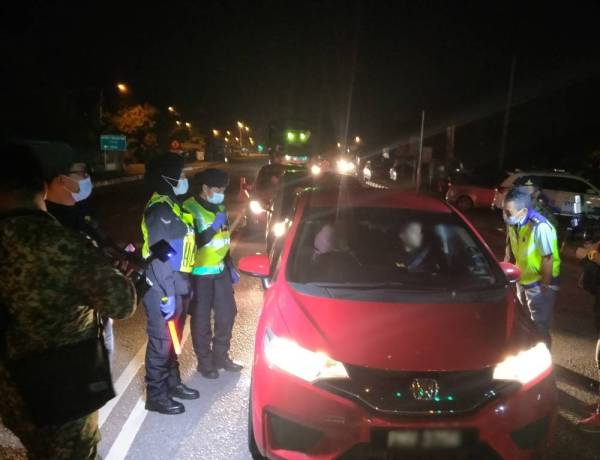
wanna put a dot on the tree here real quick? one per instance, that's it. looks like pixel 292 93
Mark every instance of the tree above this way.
pixel 138 122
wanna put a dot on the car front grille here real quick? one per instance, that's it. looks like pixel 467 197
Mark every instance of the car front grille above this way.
pixel 418 393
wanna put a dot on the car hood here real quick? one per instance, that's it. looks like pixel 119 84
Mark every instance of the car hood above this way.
pixel 405 336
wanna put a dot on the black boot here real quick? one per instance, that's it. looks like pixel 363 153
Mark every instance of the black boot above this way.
pixel 228 364
pixel 206 367
pixel 182 392
pixel 165 406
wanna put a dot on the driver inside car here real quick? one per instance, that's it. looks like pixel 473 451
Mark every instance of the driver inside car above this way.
pixel 417 253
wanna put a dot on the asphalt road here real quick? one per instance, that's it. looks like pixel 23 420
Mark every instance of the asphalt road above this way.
pixel 215 426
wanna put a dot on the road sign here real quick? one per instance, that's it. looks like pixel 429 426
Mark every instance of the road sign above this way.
pixel 114 142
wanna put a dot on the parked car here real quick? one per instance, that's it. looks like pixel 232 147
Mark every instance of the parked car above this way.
pixel 470 191
pixel 360 357
pixel 561 188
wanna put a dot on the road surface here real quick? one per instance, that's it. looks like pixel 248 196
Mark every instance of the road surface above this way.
pixel 215 426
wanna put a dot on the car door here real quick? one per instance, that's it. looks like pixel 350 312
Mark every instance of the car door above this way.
pixel 591 203
pixel 558 191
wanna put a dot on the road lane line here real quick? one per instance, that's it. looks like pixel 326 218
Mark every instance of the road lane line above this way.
pixel 122 383
pixel 122 444
pixel 133 424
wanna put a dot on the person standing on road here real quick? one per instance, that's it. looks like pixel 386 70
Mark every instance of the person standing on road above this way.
pixel 54 285
pixel 214 275
pixel 164 219
pixel 69 185
pixel 534 246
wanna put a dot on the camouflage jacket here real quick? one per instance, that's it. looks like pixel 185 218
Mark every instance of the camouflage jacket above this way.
pixel 52 282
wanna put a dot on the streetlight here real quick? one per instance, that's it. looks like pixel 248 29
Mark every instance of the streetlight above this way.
pixel 247 128
pixel 228 132
pixel 237 139
pixel 251 141
pixel 357 140
pixel 215 132
pixel 226 139
pixel 339 145
pixel 178 123
pixel 122 87
pixel 188 124
pixel 171 109
pixel 241 126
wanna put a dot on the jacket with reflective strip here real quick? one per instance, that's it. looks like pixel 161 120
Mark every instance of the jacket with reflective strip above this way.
pixel 210 258
pixel 527 254
pixel 185 248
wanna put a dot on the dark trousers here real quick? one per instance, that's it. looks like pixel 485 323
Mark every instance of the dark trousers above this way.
pixel 162 367
pixel 212 293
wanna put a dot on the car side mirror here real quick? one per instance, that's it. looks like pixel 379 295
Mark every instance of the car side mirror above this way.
pixel 511 271
pixel 257 265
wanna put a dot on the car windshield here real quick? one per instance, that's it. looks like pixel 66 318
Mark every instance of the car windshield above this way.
pixel 388 248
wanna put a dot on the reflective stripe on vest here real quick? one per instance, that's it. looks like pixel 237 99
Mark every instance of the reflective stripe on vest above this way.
pixel 185 248
pixel 528 256
pixel 210 258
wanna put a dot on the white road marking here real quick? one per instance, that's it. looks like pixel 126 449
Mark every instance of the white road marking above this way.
pixel 121 446
pixel 122 383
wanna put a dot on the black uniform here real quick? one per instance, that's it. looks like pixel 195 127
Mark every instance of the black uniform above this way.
pixel 162 368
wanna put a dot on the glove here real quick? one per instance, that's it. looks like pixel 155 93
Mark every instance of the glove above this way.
pixel 220 221
pixel 234 275
pixel 167 307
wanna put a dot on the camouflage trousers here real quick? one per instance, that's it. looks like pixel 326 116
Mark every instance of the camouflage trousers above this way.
pixel 74 440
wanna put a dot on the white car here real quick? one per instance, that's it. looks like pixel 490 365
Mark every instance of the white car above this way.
pixel 560 188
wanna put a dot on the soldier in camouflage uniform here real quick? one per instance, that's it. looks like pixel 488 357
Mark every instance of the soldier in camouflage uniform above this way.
pixel 53 282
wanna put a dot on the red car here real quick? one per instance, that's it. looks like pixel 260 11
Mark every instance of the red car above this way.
pixel 467 197
pixel 368 350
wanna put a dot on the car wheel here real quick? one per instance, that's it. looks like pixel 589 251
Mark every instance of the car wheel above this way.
pixel 252 447
pixel 464 203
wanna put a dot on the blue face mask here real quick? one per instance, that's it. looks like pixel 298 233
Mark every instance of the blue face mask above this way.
pixel 182 187
pixel 216 198
pixel 85 189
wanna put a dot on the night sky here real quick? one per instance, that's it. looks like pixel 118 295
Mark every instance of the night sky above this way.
pixel 220 61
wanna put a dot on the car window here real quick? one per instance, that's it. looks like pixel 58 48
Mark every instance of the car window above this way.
pixel 382 246
pixel 565 184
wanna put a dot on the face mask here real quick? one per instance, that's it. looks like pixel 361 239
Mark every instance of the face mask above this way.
pixel 514 220
pixel 216 198
pixel 182 187
pixel 85 189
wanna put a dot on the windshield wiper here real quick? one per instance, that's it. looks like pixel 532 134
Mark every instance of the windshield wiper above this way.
pixel 378 286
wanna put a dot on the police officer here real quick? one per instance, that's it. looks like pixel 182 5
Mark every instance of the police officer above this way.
pixel 534 246
pixel 53 285
pixel 164 219
pixel 213 276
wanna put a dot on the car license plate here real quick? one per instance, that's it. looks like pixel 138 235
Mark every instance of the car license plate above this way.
pixel 425 439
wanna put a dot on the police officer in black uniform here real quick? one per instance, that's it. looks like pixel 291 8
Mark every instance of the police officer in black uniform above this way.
pixel 164 219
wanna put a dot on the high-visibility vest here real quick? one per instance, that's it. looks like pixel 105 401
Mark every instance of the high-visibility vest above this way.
pixel 185 248
pixel 527 255
pixel 210 258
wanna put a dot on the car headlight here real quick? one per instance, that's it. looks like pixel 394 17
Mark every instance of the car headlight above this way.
pixel 315 170
pixel 256 207
pixel 525 366
pixel 290 357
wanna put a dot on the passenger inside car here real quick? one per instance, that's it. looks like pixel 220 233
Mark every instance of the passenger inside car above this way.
pixel 331 252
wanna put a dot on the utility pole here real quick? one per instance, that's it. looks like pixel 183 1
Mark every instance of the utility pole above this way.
pixel 509 96
pixel 420 157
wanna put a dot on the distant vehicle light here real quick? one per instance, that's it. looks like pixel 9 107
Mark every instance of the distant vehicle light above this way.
pixel 291 137
pixel 303 136
pixel 288 158
pixel 344 166
pixel 279 229
pixel 315 170
pixel 367 173
pixel 255 207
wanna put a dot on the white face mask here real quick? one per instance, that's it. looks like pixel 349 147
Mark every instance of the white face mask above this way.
pixel 85 188
pixel 181 186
